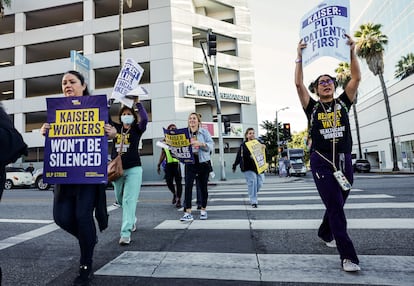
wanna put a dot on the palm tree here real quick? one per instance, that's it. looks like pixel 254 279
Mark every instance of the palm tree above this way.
pixel 2 3
pixel 405 66
pixel 370 42
pixel 343 76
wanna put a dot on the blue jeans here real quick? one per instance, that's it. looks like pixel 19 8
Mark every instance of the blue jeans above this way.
pixel 254 183
pixel 127 190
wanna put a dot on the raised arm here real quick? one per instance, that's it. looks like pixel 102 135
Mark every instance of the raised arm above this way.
pixel 300 87
pixel 352 86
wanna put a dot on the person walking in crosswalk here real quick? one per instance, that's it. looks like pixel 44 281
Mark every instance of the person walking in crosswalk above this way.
pixel 202 146
pixel 172 172
pixel 331 146
pixel 245 159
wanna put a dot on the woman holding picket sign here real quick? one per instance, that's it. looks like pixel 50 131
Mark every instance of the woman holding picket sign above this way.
pixel 74 204
pixel 244 158
pixel 331 146
pixel 129 131
pixel 202 145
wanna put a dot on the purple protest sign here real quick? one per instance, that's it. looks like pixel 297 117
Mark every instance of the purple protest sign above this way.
pixel 76 147
pixel 178 141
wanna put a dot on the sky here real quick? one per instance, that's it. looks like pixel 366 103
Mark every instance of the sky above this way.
pixel 275 36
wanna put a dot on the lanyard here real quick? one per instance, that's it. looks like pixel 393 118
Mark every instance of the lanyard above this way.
pixel 333 138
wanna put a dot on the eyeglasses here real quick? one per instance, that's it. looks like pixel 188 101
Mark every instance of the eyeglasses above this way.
pixel 326 82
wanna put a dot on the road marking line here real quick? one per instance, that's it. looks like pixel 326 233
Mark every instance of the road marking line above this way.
pixel 40 221
pixel 243 224
pixel 269 192
pixel 307 268
pixel 13 240
pixel 242 207
pixel 300 198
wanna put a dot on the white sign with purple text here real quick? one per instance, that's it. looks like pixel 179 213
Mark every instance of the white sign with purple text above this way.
pixel 323 29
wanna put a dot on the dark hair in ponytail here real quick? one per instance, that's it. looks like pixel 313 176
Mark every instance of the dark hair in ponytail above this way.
pixel 313 86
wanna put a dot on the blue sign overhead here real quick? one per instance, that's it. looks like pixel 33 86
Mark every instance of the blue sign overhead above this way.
pixel 80 64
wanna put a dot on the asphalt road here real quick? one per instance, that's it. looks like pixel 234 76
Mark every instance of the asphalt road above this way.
pixel 275 244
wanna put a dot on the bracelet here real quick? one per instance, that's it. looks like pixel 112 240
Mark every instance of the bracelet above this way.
pixel 298 60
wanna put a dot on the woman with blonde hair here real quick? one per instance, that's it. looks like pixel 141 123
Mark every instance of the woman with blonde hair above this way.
pixel 202 144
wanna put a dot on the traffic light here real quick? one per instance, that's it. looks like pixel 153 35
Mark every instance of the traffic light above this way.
pixel 227 125
pixel 286 131
pixel 211 43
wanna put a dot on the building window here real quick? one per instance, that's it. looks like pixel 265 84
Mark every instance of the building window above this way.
pixel 6 57
pixel 147 149
pixel 106 77
pixel 105 8
pixel 7 25
pixel 52 50
pixel 43 85
pixel 133 38
pixel 114 110
pixel 225 45
pixel 6 90
pixel 36 154
pixel 35 120
pixel 54 16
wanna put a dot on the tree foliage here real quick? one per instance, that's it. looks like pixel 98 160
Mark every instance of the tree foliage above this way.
pixel 370 43
pixel 270 138
pixel 2 4
pixel 405 66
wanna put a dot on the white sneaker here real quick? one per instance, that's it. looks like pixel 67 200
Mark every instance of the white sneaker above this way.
pixel 124 240
pixel 187 217
pixel 134 227
pixel 349 266
pixel 331 243
pixel 203 215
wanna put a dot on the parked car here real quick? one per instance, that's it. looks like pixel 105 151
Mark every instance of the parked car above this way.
pixel 38 180
pixel 362 165
pixel 17 177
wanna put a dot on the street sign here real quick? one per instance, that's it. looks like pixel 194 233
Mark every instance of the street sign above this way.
pixel 80 64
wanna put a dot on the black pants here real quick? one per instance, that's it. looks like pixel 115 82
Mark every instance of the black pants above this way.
pixel 73 207
pixel 173 173
pixel 202 171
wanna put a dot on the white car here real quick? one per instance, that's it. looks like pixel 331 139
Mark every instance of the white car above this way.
pixel 17 177
pixel 38 180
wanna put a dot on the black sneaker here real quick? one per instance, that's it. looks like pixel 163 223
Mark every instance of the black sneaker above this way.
pixel 85 276
pixel 254 206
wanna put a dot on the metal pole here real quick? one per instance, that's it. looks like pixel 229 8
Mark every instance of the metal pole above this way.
pixel 219 121
pixel 121 33
pixel 277 137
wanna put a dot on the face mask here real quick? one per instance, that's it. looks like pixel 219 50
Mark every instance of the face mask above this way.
pixel 127 119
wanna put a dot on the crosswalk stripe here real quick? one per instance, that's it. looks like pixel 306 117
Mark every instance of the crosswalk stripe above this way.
pixel 36 221
pixel 307 268
pixel 268 192
pixel 309 207
pixel 243 224
pixel 300 198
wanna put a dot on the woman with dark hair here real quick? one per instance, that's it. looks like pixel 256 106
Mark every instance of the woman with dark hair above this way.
pixel 202 144
pixel 244 158
pixel 127 187
pixel 74 204
pixel 331 146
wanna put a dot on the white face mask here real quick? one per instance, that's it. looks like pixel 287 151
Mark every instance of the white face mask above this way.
pixel 127 118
